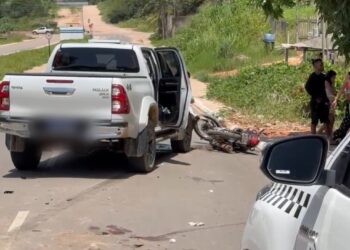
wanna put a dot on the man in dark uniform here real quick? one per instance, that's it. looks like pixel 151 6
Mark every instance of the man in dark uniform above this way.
pixel 319 103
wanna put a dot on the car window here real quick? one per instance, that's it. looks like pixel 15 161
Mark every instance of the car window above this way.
pixel 96 59
pixel 170 64
pixel 150 65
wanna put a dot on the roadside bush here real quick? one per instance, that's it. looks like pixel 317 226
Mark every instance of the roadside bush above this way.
pixel 5 25
pixel 271 92
pixel 219 35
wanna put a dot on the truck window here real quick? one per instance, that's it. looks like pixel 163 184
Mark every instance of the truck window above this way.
pixel 96 59
pixel 150 65
pixel 170 64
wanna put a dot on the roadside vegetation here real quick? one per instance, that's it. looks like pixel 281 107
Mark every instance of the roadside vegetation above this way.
pixel 144 24
pixel 12 38
pixel 145 15
pixel 227 35
pixel 22 61
pixel 20 15
pixel 26 60
pixel 223 37
pixel 274 92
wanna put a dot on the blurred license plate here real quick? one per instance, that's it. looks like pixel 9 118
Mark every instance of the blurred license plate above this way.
pixel 58 126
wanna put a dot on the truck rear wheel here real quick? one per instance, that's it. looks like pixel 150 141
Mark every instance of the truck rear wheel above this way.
pixel 184 146
pixel 146 162
pixel 29 159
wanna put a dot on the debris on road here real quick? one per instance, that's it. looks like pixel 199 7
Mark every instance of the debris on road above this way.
pixel 8 192
pixel 211 191
pixel 172 240
pixel 196 224
pixel 138 245
pixel 94 246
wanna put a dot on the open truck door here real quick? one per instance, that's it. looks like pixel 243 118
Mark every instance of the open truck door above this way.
pixel 174 88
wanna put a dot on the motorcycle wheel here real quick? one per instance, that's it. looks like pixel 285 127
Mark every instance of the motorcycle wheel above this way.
pixel 203 124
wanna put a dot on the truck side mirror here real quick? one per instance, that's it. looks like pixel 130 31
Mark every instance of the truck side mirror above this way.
pixel 298 160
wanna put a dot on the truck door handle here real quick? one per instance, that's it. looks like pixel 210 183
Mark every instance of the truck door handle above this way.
pixel 59 91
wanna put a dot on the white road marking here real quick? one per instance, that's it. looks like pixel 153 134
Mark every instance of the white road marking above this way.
pixel 18 221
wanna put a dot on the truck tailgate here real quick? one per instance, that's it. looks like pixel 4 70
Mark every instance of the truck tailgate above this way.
pixel 60 96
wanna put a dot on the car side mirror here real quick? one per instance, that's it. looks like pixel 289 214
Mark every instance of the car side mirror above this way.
pixel 298 160
pixel 188 74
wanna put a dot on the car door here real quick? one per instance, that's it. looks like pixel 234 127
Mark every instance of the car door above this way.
pixel 173 72
pixel 326 225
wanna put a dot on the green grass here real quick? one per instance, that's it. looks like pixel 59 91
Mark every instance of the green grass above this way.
pixel 273 92
pixel 223 37
pixel 25 60
pixel 144 24
pixel 12 38
pixel 22 61
pixel 30 23
pixel 302 12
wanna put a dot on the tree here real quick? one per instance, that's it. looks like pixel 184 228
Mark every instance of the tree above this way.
pixel 335 13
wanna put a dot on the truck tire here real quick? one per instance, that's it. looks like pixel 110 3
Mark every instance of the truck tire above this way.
pixel 29 159
pixel 184 146
pixel 146 162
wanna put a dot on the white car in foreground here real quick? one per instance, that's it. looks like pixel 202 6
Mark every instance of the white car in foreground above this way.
pixel 307 205
pixel 42 30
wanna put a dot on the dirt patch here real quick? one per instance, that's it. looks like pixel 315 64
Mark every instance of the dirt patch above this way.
pixel 66 17
pixel 103 30
pixel 272 129
pixel 234 119
pixel 292 61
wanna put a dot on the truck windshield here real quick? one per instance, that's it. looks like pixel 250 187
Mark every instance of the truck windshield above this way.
pixel 96 59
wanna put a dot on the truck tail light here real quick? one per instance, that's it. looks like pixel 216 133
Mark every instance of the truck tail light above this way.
pixel 4 96
pixel 120 102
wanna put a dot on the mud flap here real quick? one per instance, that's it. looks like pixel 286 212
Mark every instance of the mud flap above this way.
pixel 136 147
pixel 182 132
pixel 15 143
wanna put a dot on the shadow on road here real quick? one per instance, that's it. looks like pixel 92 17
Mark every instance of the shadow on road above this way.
pixel 99 165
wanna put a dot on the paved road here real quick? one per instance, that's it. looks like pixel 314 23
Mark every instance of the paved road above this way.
pixel 41 41
pixel 93 202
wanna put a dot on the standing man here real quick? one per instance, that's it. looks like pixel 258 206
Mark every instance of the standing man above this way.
pixel 319 103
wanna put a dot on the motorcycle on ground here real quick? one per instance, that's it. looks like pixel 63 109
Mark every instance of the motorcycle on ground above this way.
pixel 227 140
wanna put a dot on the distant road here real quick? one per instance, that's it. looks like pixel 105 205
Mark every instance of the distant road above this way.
pixel 39 42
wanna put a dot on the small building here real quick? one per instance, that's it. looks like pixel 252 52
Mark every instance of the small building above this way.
pixel 313 45
pixel 71 33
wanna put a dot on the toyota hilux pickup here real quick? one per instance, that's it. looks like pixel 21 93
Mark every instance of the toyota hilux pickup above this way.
pixel 306 207
pixel 99 95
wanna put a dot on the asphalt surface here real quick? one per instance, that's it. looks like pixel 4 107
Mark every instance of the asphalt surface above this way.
pixel 35 43
pixel 94 202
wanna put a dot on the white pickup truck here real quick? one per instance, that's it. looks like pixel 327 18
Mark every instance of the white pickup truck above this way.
pixel 120 97
pixel 42 30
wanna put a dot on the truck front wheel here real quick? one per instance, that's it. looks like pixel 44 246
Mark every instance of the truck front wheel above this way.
pixel 29 159
pixel 146 162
